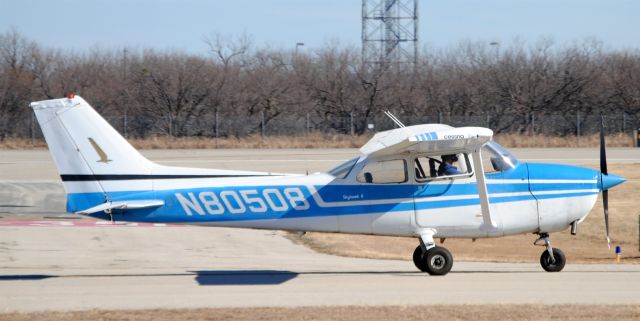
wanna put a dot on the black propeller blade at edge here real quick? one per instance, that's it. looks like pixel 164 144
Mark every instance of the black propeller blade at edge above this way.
pixel 603 152
pixel 605 204
pixel 604 171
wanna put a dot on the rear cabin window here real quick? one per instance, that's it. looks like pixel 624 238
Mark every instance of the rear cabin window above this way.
pixel 384 172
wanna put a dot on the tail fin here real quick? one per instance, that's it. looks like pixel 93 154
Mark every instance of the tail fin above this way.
pixel 85 147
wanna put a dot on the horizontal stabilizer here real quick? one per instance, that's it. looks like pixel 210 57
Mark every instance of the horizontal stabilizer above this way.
pixel 122 205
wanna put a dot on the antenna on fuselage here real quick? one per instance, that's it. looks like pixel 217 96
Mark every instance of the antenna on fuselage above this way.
pixel 394 118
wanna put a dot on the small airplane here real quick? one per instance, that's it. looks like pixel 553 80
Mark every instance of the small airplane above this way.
pixel 427 181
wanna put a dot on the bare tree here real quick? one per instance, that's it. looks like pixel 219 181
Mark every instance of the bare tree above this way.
pixel 239 90
pixel 173 88
pixel 16 81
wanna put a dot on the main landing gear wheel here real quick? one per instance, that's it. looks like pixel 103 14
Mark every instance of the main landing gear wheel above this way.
pixel 553 265
pixel 437 261
pixel 417 259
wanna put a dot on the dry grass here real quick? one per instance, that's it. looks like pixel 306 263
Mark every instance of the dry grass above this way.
pixel 254 141
pixel 521 140
pixel 318 140
pixel 22 143
pixel 589 246
pixel 355 313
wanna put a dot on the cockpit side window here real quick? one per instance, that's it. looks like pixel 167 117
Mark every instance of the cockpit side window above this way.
pixel 384 172
pixel 428 167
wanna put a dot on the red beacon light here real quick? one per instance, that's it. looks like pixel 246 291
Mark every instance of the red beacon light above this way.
pixel 71 96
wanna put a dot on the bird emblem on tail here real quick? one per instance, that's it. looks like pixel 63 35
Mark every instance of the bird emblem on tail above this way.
pixel 103 156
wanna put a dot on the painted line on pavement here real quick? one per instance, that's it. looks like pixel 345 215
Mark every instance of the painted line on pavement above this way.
pixel 44 223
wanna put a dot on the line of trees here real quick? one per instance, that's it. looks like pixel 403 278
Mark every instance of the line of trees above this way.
pixel 237 89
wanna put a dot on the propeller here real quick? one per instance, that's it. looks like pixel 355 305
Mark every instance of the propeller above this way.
pixel 603 173
pixel 607 181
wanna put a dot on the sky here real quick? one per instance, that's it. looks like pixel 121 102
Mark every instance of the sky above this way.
pixel 80 25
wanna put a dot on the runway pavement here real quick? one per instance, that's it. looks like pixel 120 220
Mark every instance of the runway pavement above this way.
pixel 128 267
pixel 52 261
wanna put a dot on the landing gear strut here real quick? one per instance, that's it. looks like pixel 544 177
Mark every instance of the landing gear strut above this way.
pixel 435 260
pixel 551 260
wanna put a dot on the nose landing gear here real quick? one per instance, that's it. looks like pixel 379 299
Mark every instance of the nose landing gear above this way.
pixel 551 260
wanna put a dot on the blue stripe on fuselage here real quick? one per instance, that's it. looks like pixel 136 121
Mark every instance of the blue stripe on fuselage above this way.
pixel 343 196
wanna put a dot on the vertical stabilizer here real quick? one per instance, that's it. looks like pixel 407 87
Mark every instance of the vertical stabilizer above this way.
pixel 88 152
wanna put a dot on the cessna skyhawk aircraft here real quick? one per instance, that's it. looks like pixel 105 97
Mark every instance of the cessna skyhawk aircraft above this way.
pixel 427 181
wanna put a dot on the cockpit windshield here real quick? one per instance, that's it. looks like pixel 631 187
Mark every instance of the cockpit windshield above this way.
pixel 342 170
pixel 497 158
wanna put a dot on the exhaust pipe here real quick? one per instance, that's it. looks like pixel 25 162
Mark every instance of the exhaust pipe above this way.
pixel 574 227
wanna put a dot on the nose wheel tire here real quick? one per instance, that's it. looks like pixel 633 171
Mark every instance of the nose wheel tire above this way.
pixel 417 259
pixel 548 264
pixel 437 261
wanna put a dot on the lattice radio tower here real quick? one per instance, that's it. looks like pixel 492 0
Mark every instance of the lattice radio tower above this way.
pixel 389 32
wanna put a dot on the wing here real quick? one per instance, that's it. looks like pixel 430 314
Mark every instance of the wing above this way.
pixel 426 139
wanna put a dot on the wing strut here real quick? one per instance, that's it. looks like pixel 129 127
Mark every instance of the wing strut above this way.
pixel 482 189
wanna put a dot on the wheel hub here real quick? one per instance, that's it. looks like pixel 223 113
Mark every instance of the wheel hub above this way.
pixel 438 261
pixel 550 262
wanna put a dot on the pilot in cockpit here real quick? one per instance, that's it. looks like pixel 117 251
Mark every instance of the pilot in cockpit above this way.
pixel 446 167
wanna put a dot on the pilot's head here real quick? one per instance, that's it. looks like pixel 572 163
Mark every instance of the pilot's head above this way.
pixel 450 158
